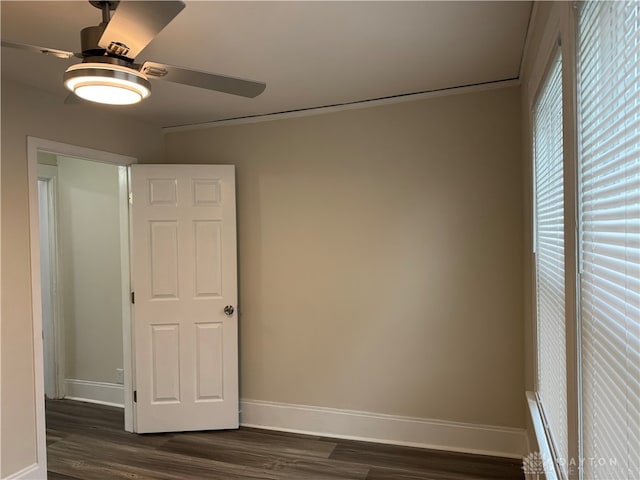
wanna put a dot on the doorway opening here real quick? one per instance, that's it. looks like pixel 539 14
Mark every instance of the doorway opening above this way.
pixel 78 206
pixel 82 219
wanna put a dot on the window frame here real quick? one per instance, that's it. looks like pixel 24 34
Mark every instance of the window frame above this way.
pixel 558 22
pixel 553 52
pixel 559 31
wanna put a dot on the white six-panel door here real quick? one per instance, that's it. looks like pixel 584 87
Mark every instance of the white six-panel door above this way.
pixel 184 274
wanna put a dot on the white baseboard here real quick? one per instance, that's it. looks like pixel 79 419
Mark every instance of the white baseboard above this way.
pixel 94 392
pixel 391 429
pixel 34 471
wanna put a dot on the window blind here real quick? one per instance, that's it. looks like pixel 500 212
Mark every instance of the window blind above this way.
pixel 549 250
pixel 609 239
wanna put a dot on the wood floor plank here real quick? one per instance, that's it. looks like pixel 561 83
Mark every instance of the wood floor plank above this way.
pixel 54 435
pixel 88 442
pixel 456 465
pixel 299 463
pixel 385 473
pixel 101 422
pixel 59 476
pixel 379 473
pixel 254 439
pixel 91 459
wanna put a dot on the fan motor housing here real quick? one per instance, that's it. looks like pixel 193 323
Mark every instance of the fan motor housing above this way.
pixel 89 39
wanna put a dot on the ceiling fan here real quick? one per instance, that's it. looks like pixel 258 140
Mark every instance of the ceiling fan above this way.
pixel 108 72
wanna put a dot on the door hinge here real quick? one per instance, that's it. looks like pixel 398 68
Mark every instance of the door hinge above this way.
pixel 130 198
pixel 133 297
pixel 135 396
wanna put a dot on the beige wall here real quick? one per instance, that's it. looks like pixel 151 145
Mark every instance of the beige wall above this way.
pixel 26 111
pixel 380 256
pixel 89 235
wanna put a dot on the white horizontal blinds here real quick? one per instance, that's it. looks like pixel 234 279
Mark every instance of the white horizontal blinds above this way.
pixel 609 201
pixel 549 245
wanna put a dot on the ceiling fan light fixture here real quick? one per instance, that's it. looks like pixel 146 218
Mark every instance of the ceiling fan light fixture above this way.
pixel 107 83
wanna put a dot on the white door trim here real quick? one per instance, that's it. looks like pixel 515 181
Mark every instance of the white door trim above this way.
pixel 33 146
pixel 54 343
pixel 124 191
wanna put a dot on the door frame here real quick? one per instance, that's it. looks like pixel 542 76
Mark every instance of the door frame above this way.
pixel 55 341
pixel 34 145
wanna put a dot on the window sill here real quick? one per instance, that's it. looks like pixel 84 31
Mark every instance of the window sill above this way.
pixel 541 436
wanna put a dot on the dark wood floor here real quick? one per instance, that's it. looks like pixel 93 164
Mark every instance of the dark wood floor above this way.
pixel 87 442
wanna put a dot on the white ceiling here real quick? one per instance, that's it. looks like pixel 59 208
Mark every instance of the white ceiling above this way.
pixel 310 54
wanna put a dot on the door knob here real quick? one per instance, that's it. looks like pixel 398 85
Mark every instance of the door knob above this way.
pixel 228 310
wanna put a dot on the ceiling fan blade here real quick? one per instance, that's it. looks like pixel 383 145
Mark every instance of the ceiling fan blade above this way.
pixel 36 49
pixel 210 81
pixel 135 23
